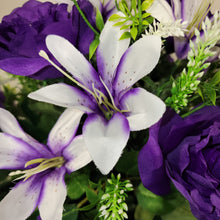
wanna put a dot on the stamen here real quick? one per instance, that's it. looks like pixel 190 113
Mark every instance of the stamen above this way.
pixel 43 54
pixel 44 164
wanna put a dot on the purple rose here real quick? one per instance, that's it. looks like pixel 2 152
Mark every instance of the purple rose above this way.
pixel 186 151
pixel 23 33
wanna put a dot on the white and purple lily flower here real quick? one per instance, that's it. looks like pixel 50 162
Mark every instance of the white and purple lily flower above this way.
pixel 42 167
pixel 114 108
pixel 191 12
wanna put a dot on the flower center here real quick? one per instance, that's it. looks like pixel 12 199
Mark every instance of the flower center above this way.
pixel 44 164
pixel 107 106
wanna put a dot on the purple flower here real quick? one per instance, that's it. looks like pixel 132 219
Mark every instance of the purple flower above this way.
pixel 23 33
pixel 187 151
pixel 114 107
pixel 192 12
pixel 42 166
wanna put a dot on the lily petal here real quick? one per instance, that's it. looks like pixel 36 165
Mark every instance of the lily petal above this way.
pixel 109 51
pixel 137 61
pixel 65 96
pixel 161 10
pixel 21 201
pixel 9 125
pixel 189 9
pixel 76 154
pixel 145 109
pixel 53 196
pixel 64 130
pixel 74 61
pixel 104 140
pixel 176 5
pixel 14 152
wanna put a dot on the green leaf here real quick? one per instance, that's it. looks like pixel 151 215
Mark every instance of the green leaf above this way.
pixel 216 78
pixel 71 212
pixel 142 214
pixel 93 46
pixel 99 20
pixel 77 184
pixel 134 32
pixel 125 35
pixel 121 7
pixel 125 27
pixel 146 4
pixel 114 17
pixel 158 204
pixel 119 23
pixel 91 195
pixel 145 15
pixel 210 92
pixel 133 4
pixel 182 212
pixel 128 163
pixel 145 22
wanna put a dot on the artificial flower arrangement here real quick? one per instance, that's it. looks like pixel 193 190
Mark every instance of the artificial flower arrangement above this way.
pixel 117 115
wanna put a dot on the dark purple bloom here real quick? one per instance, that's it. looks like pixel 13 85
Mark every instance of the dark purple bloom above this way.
pixel 187 151
pixel 23 33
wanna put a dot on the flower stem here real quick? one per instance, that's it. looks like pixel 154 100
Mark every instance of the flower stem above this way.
pixel 139 17
pixel 84 18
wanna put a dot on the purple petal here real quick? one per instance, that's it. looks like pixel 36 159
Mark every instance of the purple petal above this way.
pixel 9 125
pixel 23 66
pixel 14 152
pixel 152 166
pixel 64 130
pixel 21 201
pixel 105 140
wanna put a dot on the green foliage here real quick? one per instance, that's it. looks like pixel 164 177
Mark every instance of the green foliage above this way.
pixel 128 164
pixel 134 19
pixel 77 184
pixel 112 205
pixel 93 46
pixel 200 51
pixel 99 20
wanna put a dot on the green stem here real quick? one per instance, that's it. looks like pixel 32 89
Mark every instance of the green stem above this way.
pixel 194 110
pixel 84 18
pixel 139 17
